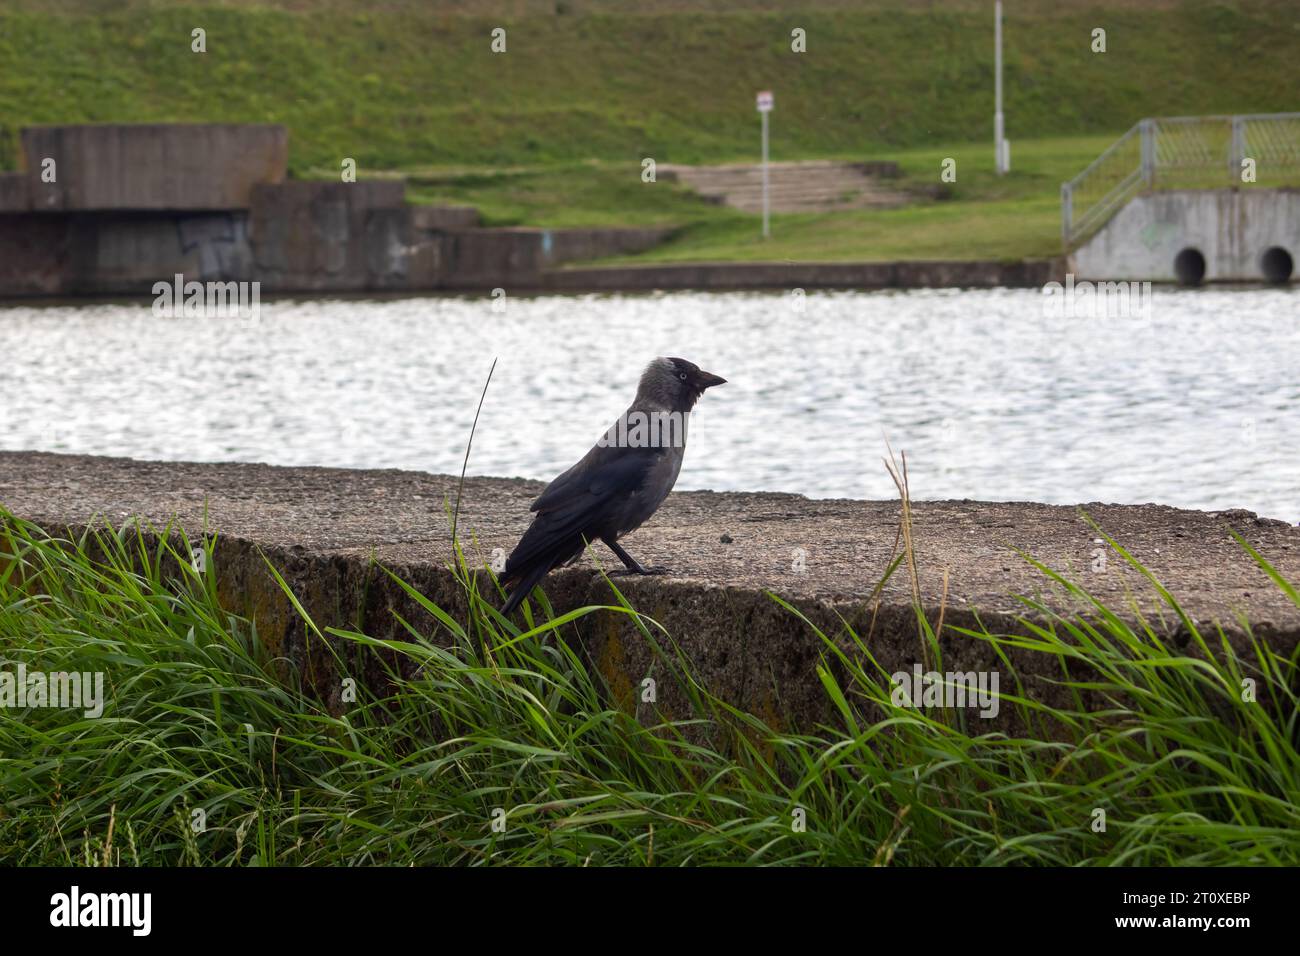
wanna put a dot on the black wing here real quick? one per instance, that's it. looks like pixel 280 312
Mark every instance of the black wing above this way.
pixel 578 504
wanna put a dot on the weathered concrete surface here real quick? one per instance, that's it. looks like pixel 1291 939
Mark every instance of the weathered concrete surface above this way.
pixel 35 255
pixel 521 257
pixel 325 527
pixel 14 193
pixel 316 236
pixel 443 218
pixel 581 243
pixel 165 166
pixel 119 253
pixel 297 237
pixel 938 274
pixel 112 209
pixel 1231 228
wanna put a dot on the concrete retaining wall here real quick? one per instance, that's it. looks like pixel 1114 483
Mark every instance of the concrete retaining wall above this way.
pixel 167 166
pixel 119 253
pixel 326 529
pixel 443 218
pixel 1231 229
pixel 298 237
pixel 318 236
pixel 808 275
pixel 522 258
pixel 580 244
pixel 133 205
pixel 14 193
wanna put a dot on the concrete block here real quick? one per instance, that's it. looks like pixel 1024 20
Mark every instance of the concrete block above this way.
pixel 118 253
pixel 14 194
pixel 480 258
pixel 443 218
pixel 517 257
pixel 315 236
pixel 572 245
pixel 34 253
pixel 385 240
pixel 166 166
pixel 425 262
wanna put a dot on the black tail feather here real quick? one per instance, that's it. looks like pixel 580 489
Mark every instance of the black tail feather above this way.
pixel 529 562
pixel 524 585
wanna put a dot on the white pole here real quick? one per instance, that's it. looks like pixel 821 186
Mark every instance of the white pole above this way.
pixel 997 71
pixel 766 227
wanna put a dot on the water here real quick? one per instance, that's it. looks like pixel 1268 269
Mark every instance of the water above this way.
pixel 1195 406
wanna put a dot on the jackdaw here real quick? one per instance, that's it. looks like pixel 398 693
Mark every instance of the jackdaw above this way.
pixel 617 485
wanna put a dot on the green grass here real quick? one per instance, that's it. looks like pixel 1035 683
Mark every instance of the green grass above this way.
pixel 200 717
pixel 982 215
pixel 553 132
pixel 408 84
pixel 571 194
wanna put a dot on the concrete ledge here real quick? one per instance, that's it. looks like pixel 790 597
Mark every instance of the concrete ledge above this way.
pixel 325 528
pixel 939 274
pixel 571 245
pixel 164 166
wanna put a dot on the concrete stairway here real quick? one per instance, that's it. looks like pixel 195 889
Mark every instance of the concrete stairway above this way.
pixel 813 186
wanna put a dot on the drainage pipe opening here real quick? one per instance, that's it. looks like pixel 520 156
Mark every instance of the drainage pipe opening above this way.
pixel 1189 266
pixel 1276 264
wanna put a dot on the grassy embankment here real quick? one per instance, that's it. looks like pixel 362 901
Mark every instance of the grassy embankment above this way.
pixel 207 753
pixel 553 131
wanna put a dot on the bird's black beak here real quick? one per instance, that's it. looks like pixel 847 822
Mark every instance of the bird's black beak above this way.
pixel 705 380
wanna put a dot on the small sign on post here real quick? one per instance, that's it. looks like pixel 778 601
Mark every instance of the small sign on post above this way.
pixel 1000 151
pixel 764 101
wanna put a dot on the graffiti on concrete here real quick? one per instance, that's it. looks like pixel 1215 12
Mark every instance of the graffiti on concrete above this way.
pixel 221 243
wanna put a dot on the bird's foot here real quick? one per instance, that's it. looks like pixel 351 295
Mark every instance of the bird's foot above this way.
pixel 640 569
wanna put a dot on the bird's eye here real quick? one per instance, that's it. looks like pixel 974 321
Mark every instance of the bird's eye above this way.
pixel 682 376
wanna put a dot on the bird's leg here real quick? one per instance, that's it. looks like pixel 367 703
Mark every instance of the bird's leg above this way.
pixel 632 564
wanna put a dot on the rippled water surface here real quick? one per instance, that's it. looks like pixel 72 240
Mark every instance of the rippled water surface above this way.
pixel 1197 405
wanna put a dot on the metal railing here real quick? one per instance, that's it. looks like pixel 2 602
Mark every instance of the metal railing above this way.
pixel 1181 152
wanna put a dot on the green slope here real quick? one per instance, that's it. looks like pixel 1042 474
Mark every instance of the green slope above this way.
pixel 407 84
